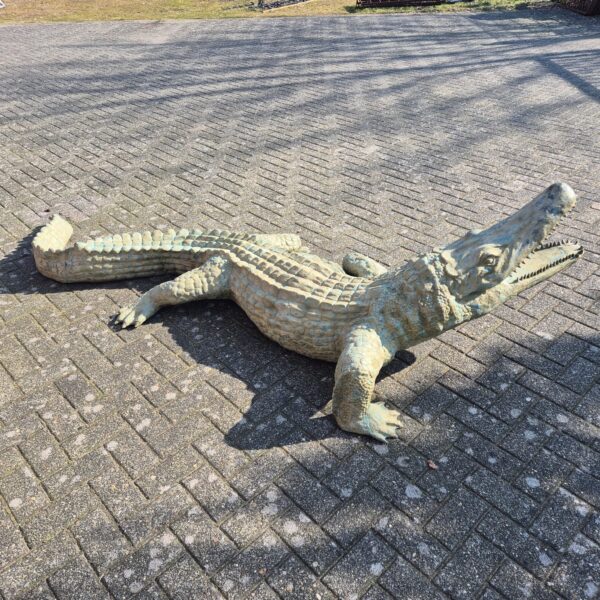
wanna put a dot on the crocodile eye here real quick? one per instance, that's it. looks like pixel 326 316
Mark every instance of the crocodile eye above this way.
pixel 489 261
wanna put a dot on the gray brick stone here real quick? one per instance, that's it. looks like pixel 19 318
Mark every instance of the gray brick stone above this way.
pixel 308 540
pixel 592 529
pixel 185 581
pixel 141 522
pixel 23 493
pixel 310 494
pixel 295 581
pixel 77 580
pixel 41 562
pixel 48 522
pixel 251 566
pixel 580 375
pixel 263 592
pixel 250 520
pixel 205 542
pixel 402 493
pixel 117 492
pixel 100 539
pixel 452 469
pixel 585 486
pixel 13 544
pixel 579 454
pixel 489 455
pixel 132 453
pixel 218 498
pixel 148 561
pixel 354 472
pixel 543 475
pixel 363 510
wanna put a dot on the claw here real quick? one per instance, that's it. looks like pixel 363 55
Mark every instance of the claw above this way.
pixel 123 314
pixel 379 422
pixel 129 319
pixel 137 314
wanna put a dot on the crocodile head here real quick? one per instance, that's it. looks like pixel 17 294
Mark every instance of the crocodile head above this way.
pixel 486 268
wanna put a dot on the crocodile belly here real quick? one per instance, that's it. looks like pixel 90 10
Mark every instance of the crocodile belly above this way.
pixel 313 332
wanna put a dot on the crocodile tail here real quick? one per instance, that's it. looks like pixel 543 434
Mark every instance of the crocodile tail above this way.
pixel 50 250
pixel 103 259
pixel 129 255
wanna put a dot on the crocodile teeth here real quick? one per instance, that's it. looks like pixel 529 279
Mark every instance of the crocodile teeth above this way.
pixel 554 263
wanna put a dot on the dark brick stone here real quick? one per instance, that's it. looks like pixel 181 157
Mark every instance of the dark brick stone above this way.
pixel 404 494
pixel 502 495
pixel 309 493
pixel 577 576
pixel 523 548
pixel 366 561
pixel 185 580
pixel 466 572
pixel 402 580
pixel 408 537
pixel 457 518
pixel 293 580
pixel 580 375
pixel 561 517
pixel 515 582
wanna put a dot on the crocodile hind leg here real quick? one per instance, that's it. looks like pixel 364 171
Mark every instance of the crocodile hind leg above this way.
pixel 355 264
pixel 360 265
pixel 209 281
pixel 358 366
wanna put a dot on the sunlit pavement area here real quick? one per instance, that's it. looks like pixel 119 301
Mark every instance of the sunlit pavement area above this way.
pixel 194 458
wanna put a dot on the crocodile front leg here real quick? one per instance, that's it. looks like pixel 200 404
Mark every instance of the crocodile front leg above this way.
pixel 358 366
pixel 209 281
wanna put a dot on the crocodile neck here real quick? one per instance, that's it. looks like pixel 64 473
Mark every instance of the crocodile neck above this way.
pixel 415 303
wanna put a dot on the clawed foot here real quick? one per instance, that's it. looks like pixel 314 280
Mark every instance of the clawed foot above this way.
pixel 380 422
pixel 137 314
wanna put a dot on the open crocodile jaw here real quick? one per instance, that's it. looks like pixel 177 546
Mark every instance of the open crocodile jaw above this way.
pixel 535 260
pixel 546 260
pixel 541 259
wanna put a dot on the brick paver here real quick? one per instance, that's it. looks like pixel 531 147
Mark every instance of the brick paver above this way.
pixel 191 458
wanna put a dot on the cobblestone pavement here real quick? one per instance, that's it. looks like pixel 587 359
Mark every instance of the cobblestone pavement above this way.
pixel 191 458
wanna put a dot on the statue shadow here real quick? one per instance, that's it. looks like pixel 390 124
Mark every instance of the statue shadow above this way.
pixel 284 396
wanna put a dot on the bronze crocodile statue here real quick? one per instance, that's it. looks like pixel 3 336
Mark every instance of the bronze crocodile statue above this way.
pixel 358 314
